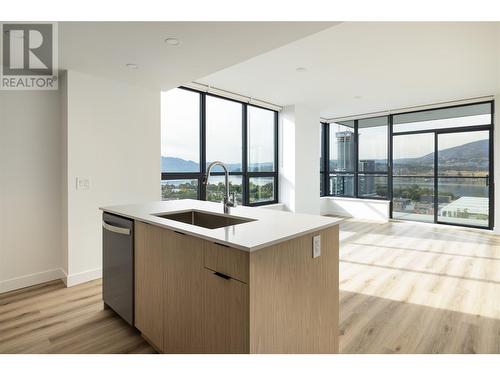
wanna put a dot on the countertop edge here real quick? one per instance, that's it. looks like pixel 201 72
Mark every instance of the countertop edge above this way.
pixel 212 239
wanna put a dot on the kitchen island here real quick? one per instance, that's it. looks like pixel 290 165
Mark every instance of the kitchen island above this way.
pixel 255 280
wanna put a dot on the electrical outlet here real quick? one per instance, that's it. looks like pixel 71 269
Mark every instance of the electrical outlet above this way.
pixel 82 183
pixel 316 246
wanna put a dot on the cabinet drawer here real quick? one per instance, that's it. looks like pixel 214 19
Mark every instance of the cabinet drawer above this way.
pixel 226 260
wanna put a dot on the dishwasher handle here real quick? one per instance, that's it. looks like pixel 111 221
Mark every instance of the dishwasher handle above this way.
pixel 115 229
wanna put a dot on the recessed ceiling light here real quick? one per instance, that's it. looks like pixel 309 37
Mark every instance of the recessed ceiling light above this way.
pixel 132 66
pixel 172 41
pixel 301 69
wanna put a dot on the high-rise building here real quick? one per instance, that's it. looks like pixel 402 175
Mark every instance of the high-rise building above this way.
pixel 367 182
pixel 342 185
pixel 345 150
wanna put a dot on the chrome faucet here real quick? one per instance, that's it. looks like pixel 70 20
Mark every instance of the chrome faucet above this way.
pixel 226 202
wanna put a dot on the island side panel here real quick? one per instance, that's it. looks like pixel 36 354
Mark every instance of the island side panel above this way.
pixel 294 298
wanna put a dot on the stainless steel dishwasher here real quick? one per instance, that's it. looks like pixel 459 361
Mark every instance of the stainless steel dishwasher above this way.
pixel 118 265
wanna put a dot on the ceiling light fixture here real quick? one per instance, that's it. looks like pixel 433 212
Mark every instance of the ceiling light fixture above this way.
pixel 132 66
pixel 301 69
pixel 172 41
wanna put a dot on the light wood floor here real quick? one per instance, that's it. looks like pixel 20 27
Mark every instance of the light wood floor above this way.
pixel 404 288
pixel 50 318
pixel 413 288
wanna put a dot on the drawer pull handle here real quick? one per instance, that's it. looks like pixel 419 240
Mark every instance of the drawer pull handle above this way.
pixel 226 277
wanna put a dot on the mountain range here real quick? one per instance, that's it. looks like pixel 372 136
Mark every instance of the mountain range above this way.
pixel 469 153
pixel 477 151
pixel 178 165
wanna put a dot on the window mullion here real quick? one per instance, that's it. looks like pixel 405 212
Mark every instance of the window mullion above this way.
pixel 356 157
pixel 326 159
pixel 244 158
pixel 202 191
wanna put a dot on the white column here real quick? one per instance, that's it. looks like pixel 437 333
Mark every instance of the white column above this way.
pixel 299 160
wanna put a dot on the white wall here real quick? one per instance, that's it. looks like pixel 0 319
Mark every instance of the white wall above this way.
pixel 299 161
pixel 113 138
pixel 368 209
pixel 30 248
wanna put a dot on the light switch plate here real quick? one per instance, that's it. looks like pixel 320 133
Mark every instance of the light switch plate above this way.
pixel 316 246
pixel 82 183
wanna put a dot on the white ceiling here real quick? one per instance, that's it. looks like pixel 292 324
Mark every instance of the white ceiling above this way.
pixel 104 48
pixel 389 65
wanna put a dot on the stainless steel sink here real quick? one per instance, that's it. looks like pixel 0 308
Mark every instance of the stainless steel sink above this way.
pixel 205 219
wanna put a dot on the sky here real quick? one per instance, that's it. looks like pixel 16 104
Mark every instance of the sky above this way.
pixel 414 146
pixel 180 124
pixel 180 132
pixel 180 129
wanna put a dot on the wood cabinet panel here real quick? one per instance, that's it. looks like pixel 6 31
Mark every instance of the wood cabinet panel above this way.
pixel 275 300
pixel 229 261
pixel 149 282
pixel 225 312
pixel 294 298
pixel 183 293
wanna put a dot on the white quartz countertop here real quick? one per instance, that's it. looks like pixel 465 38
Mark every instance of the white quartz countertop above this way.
pixel 270 226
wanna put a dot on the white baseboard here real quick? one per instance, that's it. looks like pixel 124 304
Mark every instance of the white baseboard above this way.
pixel 367 209
pixel 82 277
pixel 30 280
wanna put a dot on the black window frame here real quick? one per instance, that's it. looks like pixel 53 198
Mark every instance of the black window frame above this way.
pixel 246 175
pixel 325 172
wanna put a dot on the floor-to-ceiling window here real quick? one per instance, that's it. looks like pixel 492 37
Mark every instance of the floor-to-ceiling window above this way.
pixel 340 159
pixel 198 128
pixel 373 166
pixel 442 165
pixel 433 165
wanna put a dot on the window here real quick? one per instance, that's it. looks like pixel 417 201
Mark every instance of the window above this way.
pixel 261 189
pixel 357 154
pixel 451 117
pixel 342 147
pixel 179 189
pixel 223 129
pixel 372 157
pixel 342 185
pixel 463 178
pixel 434 165
pixel 442 166
pixel 261 140
pixel 262 155
pixel 413 177
pixel 372 139
pixel 180 131
pixel 198 128
pixel 215 188
pixel 340 166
